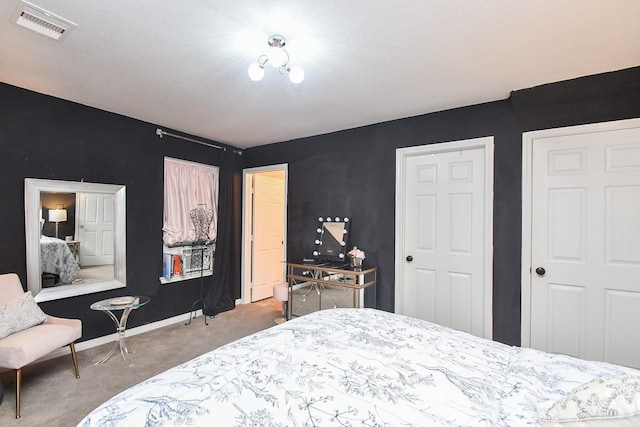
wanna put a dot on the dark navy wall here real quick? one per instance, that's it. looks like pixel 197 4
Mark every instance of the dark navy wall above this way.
pixel 349 173
pixel 48 138
pixel 352 173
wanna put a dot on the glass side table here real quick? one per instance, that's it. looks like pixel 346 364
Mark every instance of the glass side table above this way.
pixel 124 304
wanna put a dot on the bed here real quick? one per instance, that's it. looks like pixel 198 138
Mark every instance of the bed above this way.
pixel 56 258
pixel 365 367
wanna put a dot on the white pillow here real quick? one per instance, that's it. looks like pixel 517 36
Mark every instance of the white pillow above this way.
pixel 19 314
pixel 610 401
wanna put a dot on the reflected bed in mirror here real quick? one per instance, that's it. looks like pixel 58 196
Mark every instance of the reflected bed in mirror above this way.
pixel 331 240
pixel 75 237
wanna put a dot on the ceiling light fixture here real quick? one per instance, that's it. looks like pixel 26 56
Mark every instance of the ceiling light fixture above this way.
pixel 278 58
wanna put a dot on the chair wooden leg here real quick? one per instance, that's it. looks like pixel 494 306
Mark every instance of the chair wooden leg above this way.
pixel 75 358
pixel 18 381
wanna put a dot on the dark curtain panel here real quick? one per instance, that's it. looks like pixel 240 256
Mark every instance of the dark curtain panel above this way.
pixel 221 295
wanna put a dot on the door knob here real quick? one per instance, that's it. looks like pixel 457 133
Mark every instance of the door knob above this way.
pixel 540 271
pixel 409 258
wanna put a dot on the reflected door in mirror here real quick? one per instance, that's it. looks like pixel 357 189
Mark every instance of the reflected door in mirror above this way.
pixel 95 228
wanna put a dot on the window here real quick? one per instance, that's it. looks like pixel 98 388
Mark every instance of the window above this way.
pixel 190 219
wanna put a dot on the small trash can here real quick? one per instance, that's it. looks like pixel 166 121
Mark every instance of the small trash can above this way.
pixel 281 293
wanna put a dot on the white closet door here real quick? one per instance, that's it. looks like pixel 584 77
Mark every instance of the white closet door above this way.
pixel 443 255
pixel 585 244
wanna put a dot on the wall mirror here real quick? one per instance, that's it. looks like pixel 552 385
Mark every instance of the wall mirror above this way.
pixel 331 239
pixel 75 238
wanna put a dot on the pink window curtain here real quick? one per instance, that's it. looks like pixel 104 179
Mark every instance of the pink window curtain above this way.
pixel 188 186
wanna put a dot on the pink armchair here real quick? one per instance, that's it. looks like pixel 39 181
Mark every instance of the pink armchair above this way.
pixel 21 348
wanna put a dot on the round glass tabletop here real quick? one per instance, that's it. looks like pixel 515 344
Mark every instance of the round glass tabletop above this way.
pixel 120 303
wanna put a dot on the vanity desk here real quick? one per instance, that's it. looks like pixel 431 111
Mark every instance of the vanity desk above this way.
pixel 326 285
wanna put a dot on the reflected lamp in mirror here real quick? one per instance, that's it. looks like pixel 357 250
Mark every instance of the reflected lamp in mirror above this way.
pixel 96 203
pixel 331 239
pixel 57 215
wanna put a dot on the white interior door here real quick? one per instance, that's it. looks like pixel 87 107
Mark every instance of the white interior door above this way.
pixel 445 257
pixel 95 228
pixel 585 242
pixel 268 235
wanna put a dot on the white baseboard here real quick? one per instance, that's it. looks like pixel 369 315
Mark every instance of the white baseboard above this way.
pixel 85 345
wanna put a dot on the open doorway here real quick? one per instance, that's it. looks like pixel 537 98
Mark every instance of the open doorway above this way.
pixel 263 231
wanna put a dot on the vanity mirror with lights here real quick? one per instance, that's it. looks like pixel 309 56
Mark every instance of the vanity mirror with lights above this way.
pixel 331 239
pixel 75 237
pixel 327 280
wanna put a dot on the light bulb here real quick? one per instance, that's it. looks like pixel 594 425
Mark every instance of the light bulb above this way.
pixel 296 74
pixel 278 57
pixel 256 72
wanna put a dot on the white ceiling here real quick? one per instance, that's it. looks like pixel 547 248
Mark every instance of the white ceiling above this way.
pixel 183 65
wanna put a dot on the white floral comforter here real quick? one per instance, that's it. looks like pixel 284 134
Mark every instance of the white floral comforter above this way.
pixel 354 367
pixel 56 258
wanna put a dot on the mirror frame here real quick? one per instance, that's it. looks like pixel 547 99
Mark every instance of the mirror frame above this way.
pixel 32 189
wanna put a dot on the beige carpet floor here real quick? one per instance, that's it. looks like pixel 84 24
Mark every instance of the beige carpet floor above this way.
pixel 93 273
pixel 52 396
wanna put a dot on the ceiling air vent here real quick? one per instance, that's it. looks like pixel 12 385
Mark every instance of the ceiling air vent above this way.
pixel 41 21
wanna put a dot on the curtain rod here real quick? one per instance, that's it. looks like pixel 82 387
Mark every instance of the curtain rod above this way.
pixel 161 133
